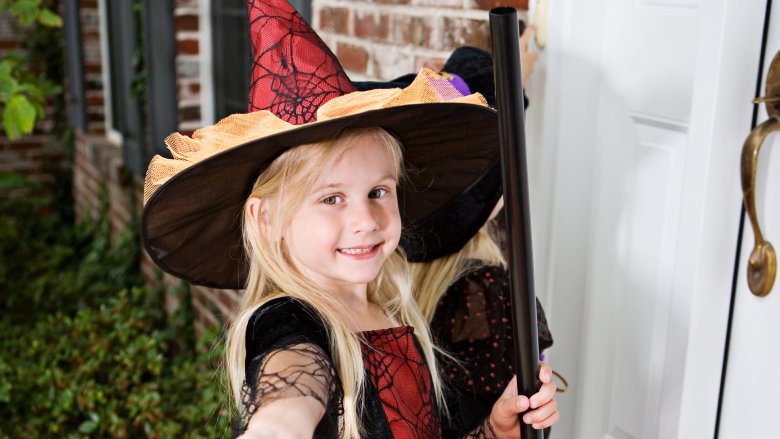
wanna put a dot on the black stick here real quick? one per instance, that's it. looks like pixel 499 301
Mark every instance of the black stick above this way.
pixel 511 128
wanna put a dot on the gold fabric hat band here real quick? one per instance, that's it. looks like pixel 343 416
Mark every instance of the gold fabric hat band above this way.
pixel 238 129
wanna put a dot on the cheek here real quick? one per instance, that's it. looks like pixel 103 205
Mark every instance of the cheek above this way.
pixel 394 221
pixel 311 231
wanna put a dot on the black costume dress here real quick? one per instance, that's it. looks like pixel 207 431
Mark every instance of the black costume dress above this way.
pixel 288 356
pixel 473 322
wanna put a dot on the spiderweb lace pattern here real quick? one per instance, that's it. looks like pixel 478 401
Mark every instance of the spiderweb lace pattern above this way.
pixel 294 371
pixel 394 365
pixel 484 431
pixel 294 72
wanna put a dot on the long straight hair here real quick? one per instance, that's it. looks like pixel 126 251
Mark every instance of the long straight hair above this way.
pixel 285 184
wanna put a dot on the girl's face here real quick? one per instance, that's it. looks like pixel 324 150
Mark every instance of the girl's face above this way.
pixel 349 225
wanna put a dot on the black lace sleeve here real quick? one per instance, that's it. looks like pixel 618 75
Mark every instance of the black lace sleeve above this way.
pixel 483 431
pixel 473 322
pixel 287 357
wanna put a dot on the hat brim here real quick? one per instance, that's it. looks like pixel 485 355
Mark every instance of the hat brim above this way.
pixel 191 225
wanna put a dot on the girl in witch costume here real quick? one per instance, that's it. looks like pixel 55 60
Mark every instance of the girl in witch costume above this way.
pixel 294 86
pixel 302 208
pixel 461 282
pixel 328 340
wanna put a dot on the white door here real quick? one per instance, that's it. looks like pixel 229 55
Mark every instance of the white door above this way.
pixel 752 368
pixel 638 121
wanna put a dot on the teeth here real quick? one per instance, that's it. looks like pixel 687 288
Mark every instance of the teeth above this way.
pixel 355 251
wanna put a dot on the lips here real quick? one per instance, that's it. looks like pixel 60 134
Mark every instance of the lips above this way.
pixel 360 252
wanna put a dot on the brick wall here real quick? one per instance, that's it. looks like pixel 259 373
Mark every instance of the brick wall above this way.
pixel 93 67
pixel 384 39
pixel 98 164
pixel 34 155
pixel 90 166
pixel 188 14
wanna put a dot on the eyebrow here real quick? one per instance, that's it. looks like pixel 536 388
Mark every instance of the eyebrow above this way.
pixel 337 185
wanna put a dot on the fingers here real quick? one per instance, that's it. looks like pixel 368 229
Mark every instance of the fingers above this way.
pixel 545 394
pixel 545 372
pixel 544 416
pixel 542 405
pixel 505 410
pixel 545 407
pixel 510 391
pixel 526 36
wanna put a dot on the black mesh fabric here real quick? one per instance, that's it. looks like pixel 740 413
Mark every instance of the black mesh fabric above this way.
pixel 473 322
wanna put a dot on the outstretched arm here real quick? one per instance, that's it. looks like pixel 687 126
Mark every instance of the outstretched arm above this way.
pixel 290 393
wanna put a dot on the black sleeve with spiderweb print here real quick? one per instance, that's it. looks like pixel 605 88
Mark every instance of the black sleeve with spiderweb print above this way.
pixel 286 358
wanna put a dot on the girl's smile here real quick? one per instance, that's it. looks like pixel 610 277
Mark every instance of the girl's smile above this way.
pixel 361 252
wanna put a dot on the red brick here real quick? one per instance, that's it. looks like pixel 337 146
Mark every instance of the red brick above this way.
pixel 520 5
pixel 187 47
pixel 95 100
pixel 448 4
pixel 185 3
pixel 189 113
pixel 93 68
pixel 21 144
pixel 385 27
pixel 9 45
pixel 420 31
pixel 228 299
pixel 354 58
pixel 477 34
pixel 466 32
pixel 366 25
pixel 400 29
pixel 186 23
pixel 96 128
pixel 334 19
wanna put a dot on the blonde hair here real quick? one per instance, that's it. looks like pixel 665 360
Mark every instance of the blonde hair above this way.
pixel 285 184
pixel 433 278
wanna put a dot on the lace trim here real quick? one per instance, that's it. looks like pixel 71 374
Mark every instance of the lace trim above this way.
pixel 293 371
pixel 484 431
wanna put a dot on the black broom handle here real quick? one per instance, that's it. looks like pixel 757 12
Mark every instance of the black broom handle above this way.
pixel 511 128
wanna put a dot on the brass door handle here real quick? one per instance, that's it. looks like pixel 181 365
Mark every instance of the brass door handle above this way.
pixel 762 264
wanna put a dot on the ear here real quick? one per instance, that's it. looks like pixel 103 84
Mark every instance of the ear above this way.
pixel 256 211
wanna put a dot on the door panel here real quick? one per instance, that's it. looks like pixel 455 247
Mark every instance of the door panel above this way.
pixel 752 384
pixel 642 300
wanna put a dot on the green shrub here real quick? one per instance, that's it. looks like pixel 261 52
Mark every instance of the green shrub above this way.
pixel 86 350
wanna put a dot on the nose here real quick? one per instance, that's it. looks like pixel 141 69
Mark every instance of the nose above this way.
pixel 364 217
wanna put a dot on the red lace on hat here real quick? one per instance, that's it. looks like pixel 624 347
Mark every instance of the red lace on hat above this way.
pixel 293 71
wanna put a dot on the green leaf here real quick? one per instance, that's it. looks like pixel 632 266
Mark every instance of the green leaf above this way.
pixel 25 11
pixel 88 427
pixel 18 117
pixel 30 89
pixel 6 66
pixel 49 18
pixel 8 86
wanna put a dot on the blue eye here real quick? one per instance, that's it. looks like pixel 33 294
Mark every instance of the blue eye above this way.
pixel 331 199
pixel 377 193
